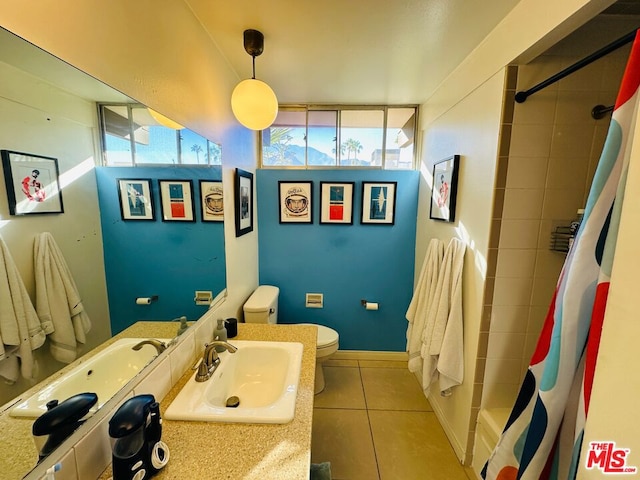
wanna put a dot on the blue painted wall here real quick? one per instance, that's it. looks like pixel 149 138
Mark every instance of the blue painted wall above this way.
pixel 346 263
pixel 168 259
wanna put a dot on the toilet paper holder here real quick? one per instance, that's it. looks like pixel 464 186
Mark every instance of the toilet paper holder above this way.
pixel 369 305
pixel 146 300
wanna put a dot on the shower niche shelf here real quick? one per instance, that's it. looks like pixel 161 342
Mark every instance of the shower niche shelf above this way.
pixel 561 239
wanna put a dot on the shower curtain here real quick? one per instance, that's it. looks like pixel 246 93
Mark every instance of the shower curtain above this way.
pixel 543 436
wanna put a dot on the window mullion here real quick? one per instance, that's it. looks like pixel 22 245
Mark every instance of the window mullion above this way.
pixel 384 138
pixel 132 134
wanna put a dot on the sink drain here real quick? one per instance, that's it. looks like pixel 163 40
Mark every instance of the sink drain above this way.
pixel 233 402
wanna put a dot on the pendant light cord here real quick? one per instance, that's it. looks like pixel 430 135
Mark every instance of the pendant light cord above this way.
pixel 254 66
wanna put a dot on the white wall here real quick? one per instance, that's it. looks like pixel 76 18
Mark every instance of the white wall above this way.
pixel 470 129
pixel 40 119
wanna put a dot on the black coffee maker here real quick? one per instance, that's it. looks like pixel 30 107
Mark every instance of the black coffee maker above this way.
pixel 135 432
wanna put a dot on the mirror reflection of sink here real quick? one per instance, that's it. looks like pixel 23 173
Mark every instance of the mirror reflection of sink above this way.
pixel 105 374
pixel 262 375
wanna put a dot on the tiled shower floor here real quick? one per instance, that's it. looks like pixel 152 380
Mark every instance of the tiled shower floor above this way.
pixel 372 422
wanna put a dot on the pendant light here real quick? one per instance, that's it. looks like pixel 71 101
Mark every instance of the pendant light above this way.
pixel 253 102
pixel 164 121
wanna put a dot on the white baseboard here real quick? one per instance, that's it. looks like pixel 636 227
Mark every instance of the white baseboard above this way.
pixel 459 450
pixel 370 355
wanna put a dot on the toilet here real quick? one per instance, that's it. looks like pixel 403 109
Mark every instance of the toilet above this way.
pixel 262 307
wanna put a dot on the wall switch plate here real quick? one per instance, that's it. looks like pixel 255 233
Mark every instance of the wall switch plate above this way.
pixel 203 297
pixel 314 300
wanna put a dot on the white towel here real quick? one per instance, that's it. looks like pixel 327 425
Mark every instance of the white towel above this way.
pixel 442 340
pixel 19 324
pixel 58 302
pixel 9 366
pixel 423 296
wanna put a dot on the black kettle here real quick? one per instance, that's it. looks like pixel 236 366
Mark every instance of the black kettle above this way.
pixel 135 430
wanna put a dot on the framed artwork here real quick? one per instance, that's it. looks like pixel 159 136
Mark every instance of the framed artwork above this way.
pixel 32 183
pixel 336 202
pixel 211 201
pixel 445 188
pixel 176 200
pixel 136 201
pixel 243 202
pixel 378 203
pixel 295 202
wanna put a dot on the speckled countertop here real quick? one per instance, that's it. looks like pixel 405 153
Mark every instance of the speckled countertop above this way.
pixel 202 449
pixel 18 453
pixel 237 451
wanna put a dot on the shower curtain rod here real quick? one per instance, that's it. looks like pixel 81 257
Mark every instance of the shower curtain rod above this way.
pixel 522 96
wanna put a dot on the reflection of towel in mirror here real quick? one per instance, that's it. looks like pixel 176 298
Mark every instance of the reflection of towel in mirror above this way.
pixel 423 297
pixel 58 302
pixel 9 366
pixel 442 348
pixel 19 324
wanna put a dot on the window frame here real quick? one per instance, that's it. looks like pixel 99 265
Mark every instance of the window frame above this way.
pixel 339 108
pixel 132 142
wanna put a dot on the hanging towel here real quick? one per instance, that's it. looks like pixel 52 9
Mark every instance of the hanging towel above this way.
pixel 19 324
pixel 10 366
pixel 423 296
pixel 58 302
pixel 446 309
pixel 451 360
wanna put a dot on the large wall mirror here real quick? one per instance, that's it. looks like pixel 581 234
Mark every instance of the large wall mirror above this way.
pixel 49 108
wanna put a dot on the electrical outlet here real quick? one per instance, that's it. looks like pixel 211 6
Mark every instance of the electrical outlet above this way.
pixel 314 300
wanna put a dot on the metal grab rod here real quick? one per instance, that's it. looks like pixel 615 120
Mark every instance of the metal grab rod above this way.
pixel 522 96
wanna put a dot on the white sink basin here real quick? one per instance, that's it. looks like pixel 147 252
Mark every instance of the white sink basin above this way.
pixel 263 375
pixel 104 374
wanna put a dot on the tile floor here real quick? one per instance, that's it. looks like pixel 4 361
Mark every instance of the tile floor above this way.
pixel 372 422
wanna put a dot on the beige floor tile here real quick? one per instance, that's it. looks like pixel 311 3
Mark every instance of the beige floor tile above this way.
pixel 413 446
pixel 393 389
pixel 343 389
pixel 340 363
pixel 382 364
pixel 343 438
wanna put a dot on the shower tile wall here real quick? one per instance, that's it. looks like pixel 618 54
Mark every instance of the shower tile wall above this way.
pixel 550 146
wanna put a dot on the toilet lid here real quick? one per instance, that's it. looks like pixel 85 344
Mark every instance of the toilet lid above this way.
pixel 326 336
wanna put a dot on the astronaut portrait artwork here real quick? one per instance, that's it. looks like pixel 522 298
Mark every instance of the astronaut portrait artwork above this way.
pixel 212 201
pixel 32 183
pixel 295 202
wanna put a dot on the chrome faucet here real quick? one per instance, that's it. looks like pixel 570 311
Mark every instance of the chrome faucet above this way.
pixel 160 346
pixel 211 360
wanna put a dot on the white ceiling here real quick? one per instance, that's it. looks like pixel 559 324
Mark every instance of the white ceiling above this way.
pixel 351 51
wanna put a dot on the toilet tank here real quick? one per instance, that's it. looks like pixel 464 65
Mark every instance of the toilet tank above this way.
pixel 262 305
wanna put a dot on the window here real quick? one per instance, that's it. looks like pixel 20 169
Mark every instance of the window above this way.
pixel 350 137
pixel 131 136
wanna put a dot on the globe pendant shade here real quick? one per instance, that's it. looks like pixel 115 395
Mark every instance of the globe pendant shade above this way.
pixel 254 104
pixel 164 121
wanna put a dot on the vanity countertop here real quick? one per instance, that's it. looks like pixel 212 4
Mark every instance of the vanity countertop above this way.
pixel 16 432
pixel 240 451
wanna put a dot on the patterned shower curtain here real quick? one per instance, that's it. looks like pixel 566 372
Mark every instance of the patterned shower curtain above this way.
pixel 543 436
